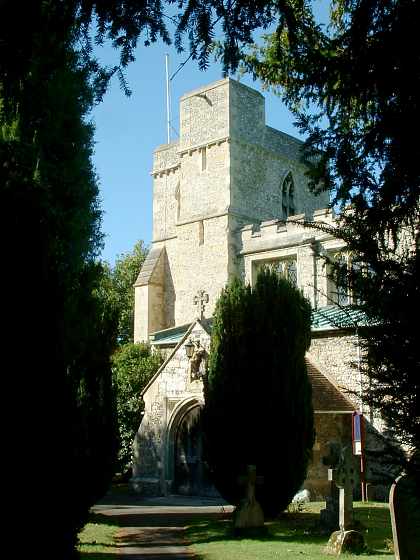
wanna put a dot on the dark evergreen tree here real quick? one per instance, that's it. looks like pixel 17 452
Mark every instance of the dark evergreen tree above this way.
pixel 258 407
pixel 64 437
pixel 354 88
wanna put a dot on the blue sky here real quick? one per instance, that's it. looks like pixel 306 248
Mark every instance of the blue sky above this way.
pixel 128 130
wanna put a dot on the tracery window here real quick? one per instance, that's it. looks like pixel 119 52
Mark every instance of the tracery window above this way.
pixel 288 194
pixel 343 272
pixel 284 267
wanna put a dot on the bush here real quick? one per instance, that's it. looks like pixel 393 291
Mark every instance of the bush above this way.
pixel 258 406
pixel 133 365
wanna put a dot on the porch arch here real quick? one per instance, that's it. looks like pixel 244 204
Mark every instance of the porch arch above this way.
pixel 180 411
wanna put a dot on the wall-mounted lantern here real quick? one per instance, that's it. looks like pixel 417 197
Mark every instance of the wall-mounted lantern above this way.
pixel 189 349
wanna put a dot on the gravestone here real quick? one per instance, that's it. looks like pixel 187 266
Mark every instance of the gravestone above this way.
pixel 344 476
pixel 404 505
pixel 329 517
pixel 249 514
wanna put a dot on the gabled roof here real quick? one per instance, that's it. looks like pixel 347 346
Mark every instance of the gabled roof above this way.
pixel 179 336
pixel 326 396
pixel 172 336
pixel 149 266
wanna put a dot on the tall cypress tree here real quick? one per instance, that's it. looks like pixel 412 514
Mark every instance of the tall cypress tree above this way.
pixel 60 332
pixel 258 407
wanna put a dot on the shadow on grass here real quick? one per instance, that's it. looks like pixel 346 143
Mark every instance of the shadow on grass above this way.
pixel 135 555
pixel 97 543
pixel 97 555
pixel 298 528
pixel 158 519
pixel 101 519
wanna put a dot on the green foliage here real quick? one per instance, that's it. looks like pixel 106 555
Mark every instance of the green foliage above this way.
pixel 66 425
pixel 49 81
pixel 118 289
pixel 258 407
pixel 133 365
pixel 354 88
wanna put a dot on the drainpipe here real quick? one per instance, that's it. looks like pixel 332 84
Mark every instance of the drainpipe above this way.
pixel 315 252
pixel 362 425
pixel 359 369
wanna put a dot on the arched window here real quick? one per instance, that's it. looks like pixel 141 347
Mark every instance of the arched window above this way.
pixel 338 291
pixel 288 193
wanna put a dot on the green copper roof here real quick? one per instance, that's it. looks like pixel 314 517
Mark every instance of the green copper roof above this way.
pixel 333 317
pixel 169 336
pixel 325 318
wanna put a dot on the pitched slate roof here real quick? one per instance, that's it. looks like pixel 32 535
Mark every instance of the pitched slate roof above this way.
pixel 170 336
pixel 149 266
pixel 173 335
pixel 326 397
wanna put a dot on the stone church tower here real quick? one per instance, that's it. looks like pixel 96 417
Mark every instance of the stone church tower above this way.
pixel 228 169
pixel 229 197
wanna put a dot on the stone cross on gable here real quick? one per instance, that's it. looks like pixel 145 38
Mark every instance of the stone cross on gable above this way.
pixel 200 300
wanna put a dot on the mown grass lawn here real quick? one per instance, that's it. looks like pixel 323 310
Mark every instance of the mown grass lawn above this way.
pixel 291 536
pixel 96 540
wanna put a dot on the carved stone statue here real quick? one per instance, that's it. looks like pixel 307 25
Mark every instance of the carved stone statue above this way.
pixel 199 356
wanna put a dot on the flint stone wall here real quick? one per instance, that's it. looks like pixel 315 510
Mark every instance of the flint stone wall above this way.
pixel 170 387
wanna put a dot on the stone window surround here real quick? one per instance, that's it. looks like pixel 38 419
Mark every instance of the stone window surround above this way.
pixel 270 256
pixel 333 292
pixel 284 274
pixel 287 195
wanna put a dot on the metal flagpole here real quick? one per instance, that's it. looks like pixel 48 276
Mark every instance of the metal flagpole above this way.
pixel 168 106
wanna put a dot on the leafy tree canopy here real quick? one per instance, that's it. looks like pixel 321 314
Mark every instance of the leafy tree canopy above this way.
pixel 355 91
pixel 133 365
pixel 118 290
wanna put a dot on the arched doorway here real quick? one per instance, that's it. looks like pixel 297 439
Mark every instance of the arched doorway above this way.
pixel 188 468
pixel 187 472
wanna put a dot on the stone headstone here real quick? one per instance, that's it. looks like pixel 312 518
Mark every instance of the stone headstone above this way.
pixel 329 517
pixel 404 505
pixel 345 542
